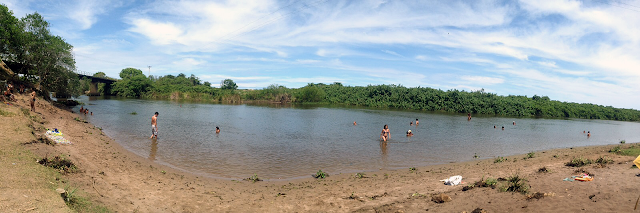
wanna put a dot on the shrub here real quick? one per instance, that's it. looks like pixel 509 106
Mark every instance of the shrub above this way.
pixel 500 160
pixel 516 183
pixel 578 162
pixel 320 174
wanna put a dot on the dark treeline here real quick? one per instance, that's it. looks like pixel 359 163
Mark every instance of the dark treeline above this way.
pixel 181 87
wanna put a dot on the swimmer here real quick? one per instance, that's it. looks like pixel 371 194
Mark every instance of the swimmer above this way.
pixel 417 122
pixel 469 116
pixel 154 126
pixel 91 113
pixel 354 123
pixel 409 133
pixel 217 130
pixel 385 134
pixel 411 123
pixel 588 134
pixel 514 123
pixel 81 109
pixel 502 127
pixel 494 126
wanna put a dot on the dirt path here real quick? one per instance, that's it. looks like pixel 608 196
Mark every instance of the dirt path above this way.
pixel 124 182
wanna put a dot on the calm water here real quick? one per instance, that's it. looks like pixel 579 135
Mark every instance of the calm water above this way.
pixel 293 142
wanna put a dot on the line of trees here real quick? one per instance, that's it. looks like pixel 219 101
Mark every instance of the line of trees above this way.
pixel 181 87
pixel 28 48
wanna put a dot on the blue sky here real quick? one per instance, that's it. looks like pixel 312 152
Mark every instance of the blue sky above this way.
pixel 576 51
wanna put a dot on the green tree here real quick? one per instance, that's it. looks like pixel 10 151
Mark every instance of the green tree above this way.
pixel 128 73
pixel 100 75
pixel 228 84
pixel 311 93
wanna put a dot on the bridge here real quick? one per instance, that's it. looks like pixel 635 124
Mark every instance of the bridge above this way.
pixel 93 87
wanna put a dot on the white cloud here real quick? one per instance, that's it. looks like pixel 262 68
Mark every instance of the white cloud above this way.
pixel 482 80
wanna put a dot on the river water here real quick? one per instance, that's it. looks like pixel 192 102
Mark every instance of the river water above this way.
pixel 290 142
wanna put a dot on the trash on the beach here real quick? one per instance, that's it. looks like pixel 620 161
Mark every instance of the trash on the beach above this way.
pixel 453 180
pixel 582 177
pixel 56 136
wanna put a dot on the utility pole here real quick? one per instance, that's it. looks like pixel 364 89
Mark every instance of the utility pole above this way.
pixel 149 71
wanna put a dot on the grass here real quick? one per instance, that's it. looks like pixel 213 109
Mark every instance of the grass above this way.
pixel 604 160
pixel 631 151
pixel 623 141
pixel 78 203
pixel 516 183
pixel 529 155
pixel 133 113
pixel 320 174
pixel 360 175
pixel 500 160
pixel 25 112
pixel 5 113
pixel 412 169
pixel 489 182
pixel 579 162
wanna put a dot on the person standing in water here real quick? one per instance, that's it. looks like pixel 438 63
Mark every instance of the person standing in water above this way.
pixel 154 126
pixel 385 134
pixel 217 130
pixel 417 122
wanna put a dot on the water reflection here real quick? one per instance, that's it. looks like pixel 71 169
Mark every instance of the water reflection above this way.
pixel 383 151
pixel 154 149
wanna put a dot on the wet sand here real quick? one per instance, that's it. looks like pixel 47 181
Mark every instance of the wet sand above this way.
pixel 124 182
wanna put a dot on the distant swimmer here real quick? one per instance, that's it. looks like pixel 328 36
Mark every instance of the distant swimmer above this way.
pixel 411 123
pixel 154 126
pixel 514 123
pixel 588 134
pixel 417 122
pixel 81 109
pixel 494 126
pixel 502 127
pixel 409 133
pixel 385 134
pixel 355 124
pixel 217 130
pixel 469 116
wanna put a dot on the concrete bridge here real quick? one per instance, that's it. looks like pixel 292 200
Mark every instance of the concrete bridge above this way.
pixel 93 87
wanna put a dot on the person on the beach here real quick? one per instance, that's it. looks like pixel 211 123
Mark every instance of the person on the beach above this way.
pixel 409 133
pixel 33 101
pixel 217 130
pixel 385 134
pixel 21 88
pixel 9 95
pixel 416 122
pixel 154 126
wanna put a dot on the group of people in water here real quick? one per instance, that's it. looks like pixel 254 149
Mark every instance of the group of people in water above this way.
pixel 386 134
pixel 84 110
pixel 154 126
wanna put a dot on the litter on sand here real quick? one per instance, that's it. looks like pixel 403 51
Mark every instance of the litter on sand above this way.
pixel 56 136
pixel 582 177
pixel 453 180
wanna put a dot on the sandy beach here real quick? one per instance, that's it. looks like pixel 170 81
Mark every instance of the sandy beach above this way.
pixel 121 181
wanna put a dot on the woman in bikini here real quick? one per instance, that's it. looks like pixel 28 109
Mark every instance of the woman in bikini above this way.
pixel 385 134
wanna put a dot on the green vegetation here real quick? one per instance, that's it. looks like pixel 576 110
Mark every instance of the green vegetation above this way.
pixel 254 178
pixel 360 175
pixel 579 162
pixel 516 183
pixel 623 141
pixel 28 48
pixel 604 160
pixel 529 155
pixel 320 175
pixel 60 163
pixel 79 203
pixel 412 169
pixel 631 151
pixel 500 160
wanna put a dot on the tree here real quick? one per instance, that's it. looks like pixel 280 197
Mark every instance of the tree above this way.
pixel 228 84
pixel 100 75
pixel 128 73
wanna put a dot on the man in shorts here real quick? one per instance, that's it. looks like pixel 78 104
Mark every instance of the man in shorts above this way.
pixel 154 126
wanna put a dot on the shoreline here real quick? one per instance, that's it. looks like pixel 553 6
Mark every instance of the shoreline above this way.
pixel 124 181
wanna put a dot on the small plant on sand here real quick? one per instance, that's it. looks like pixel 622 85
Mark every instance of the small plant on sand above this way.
pixel 623 141
pixel 468 187
pixel 254 178
pixel 616 149
pixel 412 169
pixel 604 160
pixel 475 155
pixel 516 183
pixel 320 175
pixel 133 113
pixel 60 163
pixel 543 170
pixel 579 162
pixel 163 172
pixel 500 160
pixel 529 155
pixel 360 175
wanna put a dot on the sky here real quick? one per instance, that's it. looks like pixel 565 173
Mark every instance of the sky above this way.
pixel 574 51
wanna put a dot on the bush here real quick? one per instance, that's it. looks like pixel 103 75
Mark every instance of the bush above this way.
pixel 579 162
pixel 500 160
pixel 516 183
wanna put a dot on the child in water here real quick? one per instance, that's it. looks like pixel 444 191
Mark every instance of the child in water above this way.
pixel 217 130
pixel 409 133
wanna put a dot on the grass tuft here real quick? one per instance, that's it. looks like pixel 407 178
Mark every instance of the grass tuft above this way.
pixel 320 175
pixel 500 160
pixel 60 163
pixel 529 155
pixel 579 162
pixel 516 183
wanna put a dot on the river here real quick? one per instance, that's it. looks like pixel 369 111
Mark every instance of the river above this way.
pixel 276 142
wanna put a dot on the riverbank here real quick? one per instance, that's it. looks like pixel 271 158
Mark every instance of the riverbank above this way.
pixel 112 177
